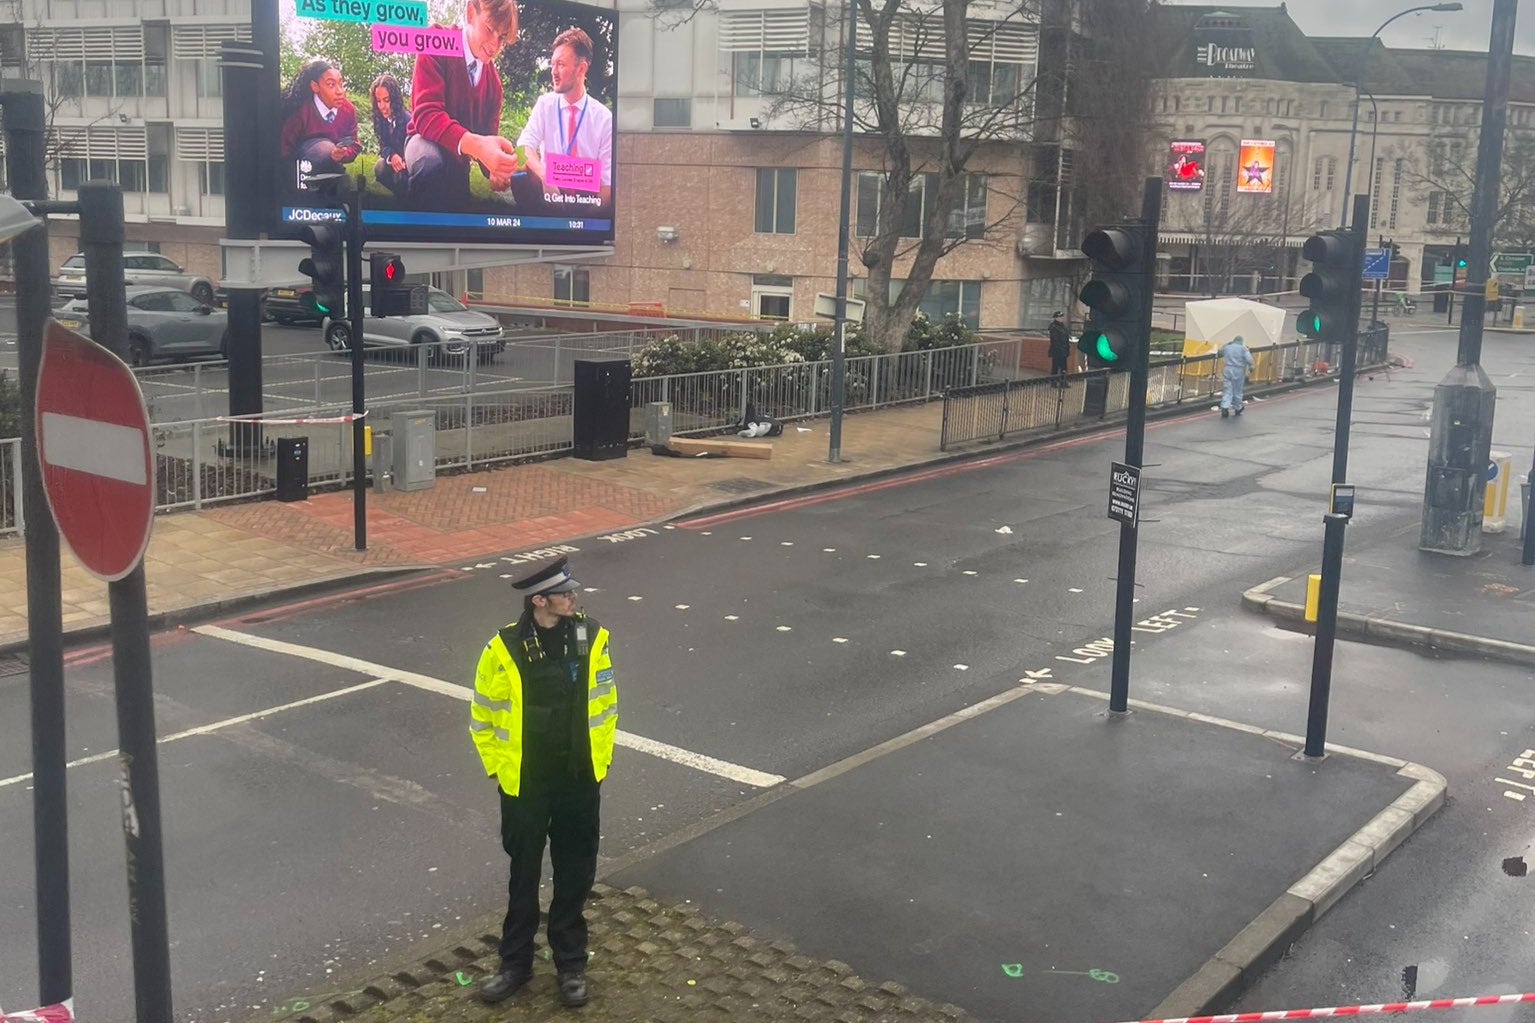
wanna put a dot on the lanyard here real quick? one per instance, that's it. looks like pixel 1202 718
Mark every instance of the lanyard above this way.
pixel 569 146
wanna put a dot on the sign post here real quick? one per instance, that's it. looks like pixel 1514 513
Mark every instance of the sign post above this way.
pixel 97 460
pixel 1125 494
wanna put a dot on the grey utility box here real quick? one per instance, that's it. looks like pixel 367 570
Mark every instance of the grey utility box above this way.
pixel 415 449
pixel 658 423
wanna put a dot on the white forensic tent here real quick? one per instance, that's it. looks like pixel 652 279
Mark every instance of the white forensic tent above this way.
pixel 1213 322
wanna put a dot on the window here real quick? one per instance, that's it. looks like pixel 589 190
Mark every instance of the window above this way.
pixel 775 200
pixel 968 217
pixel 1396 193
pixel 210 177
pixel 758 73
pixel 673 113
pixel 154 79
pixel 945 297
pixel 210 81
pixel 1040 208
pixel 154 302
pixel 1332 169
pixel 1380 170
pixel 1322 112
pixel 1434 201
pixel 475 282
pixel 996 85
pixel 1316 174
pixel 69 79
pixel 572 284
pixel 72 172
pixel 98 77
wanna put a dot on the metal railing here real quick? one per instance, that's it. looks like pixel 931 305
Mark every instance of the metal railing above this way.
pixel 10 487
pixel 993 411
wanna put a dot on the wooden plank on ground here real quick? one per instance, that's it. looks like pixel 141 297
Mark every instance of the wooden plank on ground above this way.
pixel 718 446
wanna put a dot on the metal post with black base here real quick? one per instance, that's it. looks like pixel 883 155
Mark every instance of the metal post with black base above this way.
pixel 22 111
pixel 1460 429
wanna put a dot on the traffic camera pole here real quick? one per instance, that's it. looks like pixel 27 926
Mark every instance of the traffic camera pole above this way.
pixel 101 240
pixel 1135 447
pixel 26 170
pixel 1460 424
pixel 1334 524
pixel 351 197
pixel 244 214
pixel 839 351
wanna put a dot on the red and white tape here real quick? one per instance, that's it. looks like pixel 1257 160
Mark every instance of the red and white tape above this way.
pixel 350 417
pixel 61 1012
pixel 1350 1010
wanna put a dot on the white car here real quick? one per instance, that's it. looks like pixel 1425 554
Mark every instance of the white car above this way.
pixel 450 327
pixel 147 268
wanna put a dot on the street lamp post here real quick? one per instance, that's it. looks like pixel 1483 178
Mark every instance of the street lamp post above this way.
pixel 1353 132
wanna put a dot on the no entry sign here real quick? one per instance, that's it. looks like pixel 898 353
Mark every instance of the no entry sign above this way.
pixel 93 442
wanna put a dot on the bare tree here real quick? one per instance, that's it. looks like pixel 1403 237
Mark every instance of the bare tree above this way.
pixel 952 101
pixel 1443 180
pixel 1247 234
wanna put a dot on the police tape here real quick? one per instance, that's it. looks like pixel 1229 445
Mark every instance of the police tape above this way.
pixel 1350 1010
pixel 59 1012
pixel 260 419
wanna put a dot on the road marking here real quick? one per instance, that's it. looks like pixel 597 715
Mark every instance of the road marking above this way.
pixel 383 672
pixel 215 726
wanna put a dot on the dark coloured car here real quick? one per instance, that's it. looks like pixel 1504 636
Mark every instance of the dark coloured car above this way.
pixel 286 306
pixel 163 323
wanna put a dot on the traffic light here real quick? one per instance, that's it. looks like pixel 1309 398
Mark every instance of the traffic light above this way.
pixel 1331 287
pixel 387 289
pixel 326 269
pixel 1117 297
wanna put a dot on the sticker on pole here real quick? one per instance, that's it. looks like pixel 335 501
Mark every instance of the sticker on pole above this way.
pixel 1125 494
pixel 93 444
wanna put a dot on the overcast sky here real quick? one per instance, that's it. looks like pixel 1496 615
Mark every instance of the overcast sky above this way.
pixel 1462 30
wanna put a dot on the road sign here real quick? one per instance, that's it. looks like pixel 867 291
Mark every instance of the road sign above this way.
pixel 826 307
pixel 1125 493
pixel 1377 264
pixel 93 441
pixel 1511 262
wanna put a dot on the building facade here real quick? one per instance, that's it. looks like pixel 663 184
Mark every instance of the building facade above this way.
pixel 1235 74
pixel 730 186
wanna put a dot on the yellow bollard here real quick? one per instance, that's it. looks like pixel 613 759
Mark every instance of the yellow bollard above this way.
pixel 367 440
pixel 1313 595
pixel 1495 503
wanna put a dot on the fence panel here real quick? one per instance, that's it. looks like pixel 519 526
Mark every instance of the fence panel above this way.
pixel 10 487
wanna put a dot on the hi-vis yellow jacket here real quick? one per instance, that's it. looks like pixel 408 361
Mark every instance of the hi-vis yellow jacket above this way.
pixel 495 714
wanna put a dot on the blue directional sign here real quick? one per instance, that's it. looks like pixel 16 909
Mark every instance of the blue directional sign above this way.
pixel 1377 264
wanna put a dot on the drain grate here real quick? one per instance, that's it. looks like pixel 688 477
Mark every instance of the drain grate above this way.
pixel 13 664
pixel 741 485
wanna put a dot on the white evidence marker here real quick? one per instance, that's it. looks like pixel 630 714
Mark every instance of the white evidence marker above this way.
pixel 785 628
pixel 961 667
pixel 682 607
pixel 838 639
pixel 970 571
pixel 919 564
pixel 636 598
pixel 898 653
pixel 872 557
pixel 732 618
pixel 828 550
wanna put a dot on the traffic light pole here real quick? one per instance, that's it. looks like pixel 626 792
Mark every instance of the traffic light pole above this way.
pixel 1135 446
pixel 23 112
pixel 1334 524
pixel 351 195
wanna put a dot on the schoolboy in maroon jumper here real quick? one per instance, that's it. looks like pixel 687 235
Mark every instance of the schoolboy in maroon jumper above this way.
pixel 456 111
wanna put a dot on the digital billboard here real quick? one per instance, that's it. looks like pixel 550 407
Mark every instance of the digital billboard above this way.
pixel 1185 164
pixel 475 121
pixel 1255 166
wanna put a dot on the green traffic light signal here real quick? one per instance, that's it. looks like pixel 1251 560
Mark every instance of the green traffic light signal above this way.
pixel 1309 323
pixel 1099 342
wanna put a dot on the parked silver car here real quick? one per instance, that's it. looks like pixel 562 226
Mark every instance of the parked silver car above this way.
pixel 163 323
pixel 149 268
pixel 450 327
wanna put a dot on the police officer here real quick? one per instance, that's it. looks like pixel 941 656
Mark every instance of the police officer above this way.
pixel 543 718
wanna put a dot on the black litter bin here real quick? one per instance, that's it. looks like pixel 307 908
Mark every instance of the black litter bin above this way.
pixel 293 468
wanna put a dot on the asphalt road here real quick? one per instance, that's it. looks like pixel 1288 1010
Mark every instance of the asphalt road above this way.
pixel 300 373
pixel 321 823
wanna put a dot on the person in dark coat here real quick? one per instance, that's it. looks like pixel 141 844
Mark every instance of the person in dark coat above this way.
pixel 1060 348
pixel 544 720
pixel 390 121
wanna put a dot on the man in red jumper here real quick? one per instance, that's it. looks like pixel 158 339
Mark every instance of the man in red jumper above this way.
pixel 456 111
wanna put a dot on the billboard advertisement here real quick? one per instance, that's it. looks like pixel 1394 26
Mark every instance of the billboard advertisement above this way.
pixel 1186 165
pixel 1255 166
pixel 474 121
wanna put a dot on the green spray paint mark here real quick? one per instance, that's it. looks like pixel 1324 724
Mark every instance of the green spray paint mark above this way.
pixel 464 979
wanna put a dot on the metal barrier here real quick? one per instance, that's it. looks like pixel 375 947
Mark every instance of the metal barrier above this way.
pixel 993 411
pixel 11 521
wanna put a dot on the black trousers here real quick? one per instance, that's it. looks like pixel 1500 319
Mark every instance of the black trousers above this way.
pixel 565 811
pixel 1058 365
